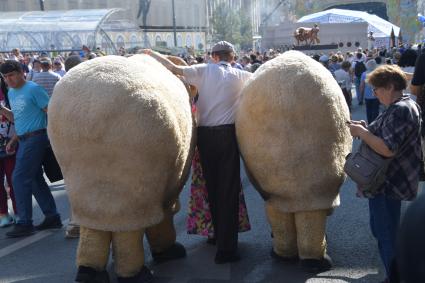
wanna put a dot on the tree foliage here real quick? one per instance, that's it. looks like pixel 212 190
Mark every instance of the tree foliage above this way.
pixel 232 25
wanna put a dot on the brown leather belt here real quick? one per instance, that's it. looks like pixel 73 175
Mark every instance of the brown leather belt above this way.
pixel 30 134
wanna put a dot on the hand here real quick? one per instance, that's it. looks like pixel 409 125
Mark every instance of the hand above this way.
pixel 11 147
pixel 361 122
pixel 356 129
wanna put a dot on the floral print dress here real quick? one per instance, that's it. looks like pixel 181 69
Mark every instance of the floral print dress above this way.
pixel 199 216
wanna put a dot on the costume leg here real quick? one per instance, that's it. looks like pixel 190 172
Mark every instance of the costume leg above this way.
pixel 163 235
pixel 284 232
pixel 311 226
pixel 162 238
pixel 93 248
pixel 128 252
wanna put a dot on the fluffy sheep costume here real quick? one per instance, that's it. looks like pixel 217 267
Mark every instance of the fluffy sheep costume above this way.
pixel 292 135
pixel 122 131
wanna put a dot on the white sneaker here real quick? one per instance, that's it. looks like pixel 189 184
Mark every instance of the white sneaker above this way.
pixel 5 221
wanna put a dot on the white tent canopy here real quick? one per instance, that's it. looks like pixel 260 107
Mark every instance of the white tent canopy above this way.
pixel 380 27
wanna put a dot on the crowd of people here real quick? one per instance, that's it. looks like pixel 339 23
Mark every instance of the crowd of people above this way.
pixel 381 80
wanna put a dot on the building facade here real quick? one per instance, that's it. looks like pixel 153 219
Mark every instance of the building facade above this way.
pixel 154 17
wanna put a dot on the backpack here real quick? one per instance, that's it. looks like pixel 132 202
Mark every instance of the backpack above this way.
pixel 359 68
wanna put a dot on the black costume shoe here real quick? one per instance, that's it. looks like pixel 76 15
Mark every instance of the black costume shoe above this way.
pixel 51 222
pixel 176 251
pixel 225 257
pixel 144 276
pixel 90 275
pixel 20 230
pixel 290 259
pixel 316 265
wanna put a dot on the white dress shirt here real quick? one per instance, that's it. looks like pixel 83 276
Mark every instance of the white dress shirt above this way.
pixel 219 87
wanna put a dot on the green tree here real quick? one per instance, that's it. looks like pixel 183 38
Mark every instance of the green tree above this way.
pixel 246 30
pixel 232 25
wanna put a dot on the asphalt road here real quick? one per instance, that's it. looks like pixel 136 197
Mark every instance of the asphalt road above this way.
pixel 48 257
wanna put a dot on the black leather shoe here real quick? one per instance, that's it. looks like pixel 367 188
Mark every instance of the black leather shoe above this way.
pixel 225 257
pixel 90 275
pixel 176 251
pixel 289 259
pixel 20 230
pixel 316 265
pixel 52 222
pixel 144 276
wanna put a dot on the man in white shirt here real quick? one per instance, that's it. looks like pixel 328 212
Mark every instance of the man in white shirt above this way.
pixel 219 86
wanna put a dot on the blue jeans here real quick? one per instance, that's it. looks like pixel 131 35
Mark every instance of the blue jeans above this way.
pixel 384 220
pixel 372 109
pixel 358 94
pixel 28 179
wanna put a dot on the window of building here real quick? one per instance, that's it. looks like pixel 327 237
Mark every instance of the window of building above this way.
pixel 72 4
pixel 198 42
pixel 20 5
pixel 120 41
pixel 189 40
pixel 170 41
pixel 4 5
pixel 133 40
pixel 76 41
pixel 85 4
pixel 179 40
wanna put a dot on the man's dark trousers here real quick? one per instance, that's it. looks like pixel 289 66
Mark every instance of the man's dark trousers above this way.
pixel 220 163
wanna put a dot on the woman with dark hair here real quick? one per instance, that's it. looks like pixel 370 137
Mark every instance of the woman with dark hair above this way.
pixel 394 134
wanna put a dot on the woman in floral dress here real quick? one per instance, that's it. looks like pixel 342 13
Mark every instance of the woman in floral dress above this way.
pixel 199 220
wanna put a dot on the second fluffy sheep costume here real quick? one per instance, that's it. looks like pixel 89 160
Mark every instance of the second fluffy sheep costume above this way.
pixel 293 138
pixel 122 131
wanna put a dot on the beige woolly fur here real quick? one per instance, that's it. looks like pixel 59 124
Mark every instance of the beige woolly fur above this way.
pixel 292 135
pixel 122 131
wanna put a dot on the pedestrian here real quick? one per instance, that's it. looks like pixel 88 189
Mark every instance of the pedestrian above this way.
pixel 7 163
pixel 58 66
pixel 199 214
pixel 28 102
pixel 219 86
pixel 36 68
pixel 359 67
pixel 46 78
pixel 343 78
pixel 418 80
pixel 372 103
pixel 398 127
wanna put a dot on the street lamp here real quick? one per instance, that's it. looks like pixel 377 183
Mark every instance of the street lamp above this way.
pixel 174 25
